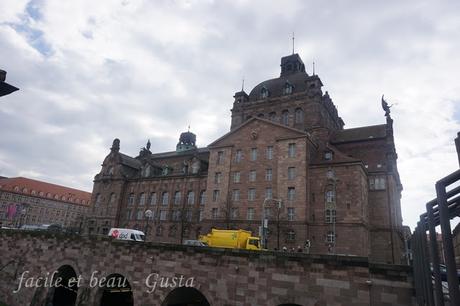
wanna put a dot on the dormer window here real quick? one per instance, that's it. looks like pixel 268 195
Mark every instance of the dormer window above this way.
pixel 288 88
pixel 264 93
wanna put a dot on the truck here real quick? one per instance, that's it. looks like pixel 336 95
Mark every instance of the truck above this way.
pixel 231 239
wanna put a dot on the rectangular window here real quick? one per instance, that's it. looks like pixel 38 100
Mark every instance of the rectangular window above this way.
pixel 250 215
pixel 220 157
pixel 291 150
pixel 330 216
pixel 191 198
pixel 153 198
pixel 269 152
pixel 236 195
pixel 330 196
pixel 291 213
pixel 215 213
pixel 200 215
pixel 268 174
pixel 267 212
pixel 377 183
pixel 130 199
pixel 128 214
pixel 163 215
pixel 251 194
pixel 189 215
pixel 236 177
pixel 203 197
pixel 175 216
pixel 254 154
pixel 252 175
pixel 234 213
pixel 238 156
pixel 217 177
pixel 330 237
pixel 268 193
pixel 140 214
pixel 165 198
pixel 291 173
pixel 291 193
pixel 142 199
pixel 215 195
pixel 177 198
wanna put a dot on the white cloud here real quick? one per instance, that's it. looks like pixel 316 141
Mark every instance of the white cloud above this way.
pixel 90 71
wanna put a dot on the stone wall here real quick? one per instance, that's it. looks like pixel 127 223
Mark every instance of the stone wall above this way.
pixel 223 277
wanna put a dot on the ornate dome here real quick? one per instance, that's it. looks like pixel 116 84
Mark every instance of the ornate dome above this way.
pixel 187 141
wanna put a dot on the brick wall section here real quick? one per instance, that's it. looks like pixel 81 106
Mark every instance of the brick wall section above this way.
pixel 224 277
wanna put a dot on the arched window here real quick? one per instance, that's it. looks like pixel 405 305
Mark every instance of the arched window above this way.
pixel 298 115
pixel 288 88
pixel 165 198
pixel 272 116
pixel 264 93
pixel 285 117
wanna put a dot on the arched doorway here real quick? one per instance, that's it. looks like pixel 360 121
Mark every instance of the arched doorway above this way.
pixel 116 291
pixel 66 293
pixel 185 296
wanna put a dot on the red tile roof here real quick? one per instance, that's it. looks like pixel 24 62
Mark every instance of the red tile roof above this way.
pixel 41 189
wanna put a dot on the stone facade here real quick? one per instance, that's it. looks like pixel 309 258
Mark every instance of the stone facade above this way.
pixel 26 201
pixel 287 158
pixel 220 277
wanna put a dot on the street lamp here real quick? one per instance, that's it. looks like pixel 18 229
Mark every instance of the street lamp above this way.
pixel 264 222
pixel 148 215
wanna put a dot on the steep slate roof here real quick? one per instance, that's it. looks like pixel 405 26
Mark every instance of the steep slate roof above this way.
pixel 360 134
pixel 275 86
pixel 130 162
pixel 70 194
pixel 200 151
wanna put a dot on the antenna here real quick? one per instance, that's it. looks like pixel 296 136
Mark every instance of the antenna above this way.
pixel 293 40
pixel 313 67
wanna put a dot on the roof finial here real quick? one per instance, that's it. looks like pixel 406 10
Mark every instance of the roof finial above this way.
pixel 313 67
pixel 188 128
pixel 242 85
pixel 293 39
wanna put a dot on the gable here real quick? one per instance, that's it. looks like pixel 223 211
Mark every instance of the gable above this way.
pixel 257 129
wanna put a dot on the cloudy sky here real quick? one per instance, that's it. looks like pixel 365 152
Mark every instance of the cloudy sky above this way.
pixel 90 71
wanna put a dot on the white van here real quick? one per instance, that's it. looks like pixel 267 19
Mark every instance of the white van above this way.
pixel 127 234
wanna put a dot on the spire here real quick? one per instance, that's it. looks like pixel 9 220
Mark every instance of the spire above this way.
pixel 293 41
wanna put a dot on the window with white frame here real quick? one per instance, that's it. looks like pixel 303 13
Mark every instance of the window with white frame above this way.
pixel 377 183
pixel 291 173
pixel 251 194
pixel 236 177
pixel 330 237
pixel 236 195
pixel 268 193
pixel 163 215
pixel 330 196
pixel 130 199
pixel 252 175
pixel 153 198
pixel 268 174
pixel 234 213
pixel 291 193
pixel 217 177
pixel 290 213
pixel 165 198
pixel 142 199
pixel 238 156
pixel 269 152
pixel 215 195
pixel 177 197
pixel 291 150
pixel 250 215
pixel 254 154
pixel 330 216
pixel 191 198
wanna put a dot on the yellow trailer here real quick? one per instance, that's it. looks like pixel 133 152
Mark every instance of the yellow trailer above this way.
pixel 232 239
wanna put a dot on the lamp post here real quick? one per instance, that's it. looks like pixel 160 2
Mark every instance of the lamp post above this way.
pixel 148 215
pixel 264 222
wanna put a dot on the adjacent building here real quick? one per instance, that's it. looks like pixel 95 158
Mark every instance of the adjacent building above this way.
pixel 25 201
pixel 287 159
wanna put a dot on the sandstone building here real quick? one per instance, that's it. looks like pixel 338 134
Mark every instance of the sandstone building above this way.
pixel 287 158
pixel 25 201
